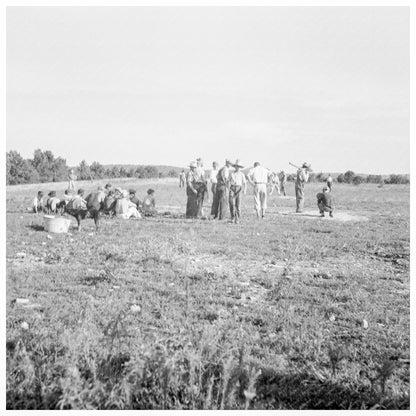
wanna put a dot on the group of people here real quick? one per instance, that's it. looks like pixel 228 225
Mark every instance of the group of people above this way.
pixel 228 183
pixel 114 202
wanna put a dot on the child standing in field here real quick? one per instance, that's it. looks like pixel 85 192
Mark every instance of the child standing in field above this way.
pixel 71 180
pixel 149 204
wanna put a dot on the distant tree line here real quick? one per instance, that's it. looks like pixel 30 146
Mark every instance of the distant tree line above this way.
pixel 45 167
pixel 350 177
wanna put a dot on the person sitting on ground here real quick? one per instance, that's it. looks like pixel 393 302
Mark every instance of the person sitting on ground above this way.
pixel 149 204
pixel 133 198
pixel 325 202
pixel 77 207
pixel 109 205
pixel 108 188
pixel 118 193
pixel 95 204
pixel 125 208
pixel 68 195
pixel 53 203
pixel 38 203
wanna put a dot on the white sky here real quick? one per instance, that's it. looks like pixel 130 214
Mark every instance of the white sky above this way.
pixel 143 85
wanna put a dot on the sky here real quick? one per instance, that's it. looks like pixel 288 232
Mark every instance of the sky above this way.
pixel 165 85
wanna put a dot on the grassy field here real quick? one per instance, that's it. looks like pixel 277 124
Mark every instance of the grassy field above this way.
pixel 292 312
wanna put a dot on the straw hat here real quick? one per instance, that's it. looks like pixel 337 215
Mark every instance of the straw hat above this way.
pixel 238 164
pixel 306 165
pixel 192 165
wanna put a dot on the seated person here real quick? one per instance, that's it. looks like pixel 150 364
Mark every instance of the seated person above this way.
pixel 125 208
pixel 95 200
pixel 109 204
pixel 67 196
pixel 38 203
pixel 108 188
pixel 134 199
pixel 149 204
pixel 325 202
pixel 53 204
pixel 77 207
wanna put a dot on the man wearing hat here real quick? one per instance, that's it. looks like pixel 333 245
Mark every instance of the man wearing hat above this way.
pixel 325 202
pixel 191 192
pixel 302 177
pixel 221 202
pixel 259 177
pixel 238 183
pixel 201 185
pixel 213 178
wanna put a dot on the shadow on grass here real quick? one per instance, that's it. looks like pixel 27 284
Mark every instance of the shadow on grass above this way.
pixel 305 391
pixel 36 227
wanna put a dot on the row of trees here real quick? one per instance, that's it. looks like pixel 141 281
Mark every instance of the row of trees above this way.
pixel 351 178
pixel 45 167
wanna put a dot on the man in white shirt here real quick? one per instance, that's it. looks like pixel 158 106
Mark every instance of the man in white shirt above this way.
pixel 302 176
pixel 201 184
pixel 213 178
pixel 238 183
pixel 259 177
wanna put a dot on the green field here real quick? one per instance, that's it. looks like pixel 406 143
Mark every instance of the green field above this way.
pixel 292 312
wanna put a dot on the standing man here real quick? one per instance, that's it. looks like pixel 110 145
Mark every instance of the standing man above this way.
pixel 71 180
pixel 213 179
pixel 201 183
pixel 182 179
pixel 221 200
pixel 275 183
pixel 329 182
pixel 238 183
pixel 302 177
pixel 258 177
pixel 191 192
pixel 283 180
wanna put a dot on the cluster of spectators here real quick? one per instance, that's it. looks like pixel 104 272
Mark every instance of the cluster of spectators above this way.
pixel 113 202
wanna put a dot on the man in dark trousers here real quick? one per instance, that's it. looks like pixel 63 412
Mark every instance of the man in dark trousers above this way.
pixel 325 202
pixel 302 176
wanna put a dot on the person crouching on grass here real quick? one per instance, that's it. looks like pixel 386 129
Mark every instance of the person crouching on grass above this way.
pixel 149 204
pixel 53 204
pixel 125 208
pixel 238 183
pixel 325 202
pixel 77 207
pixel 38 203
